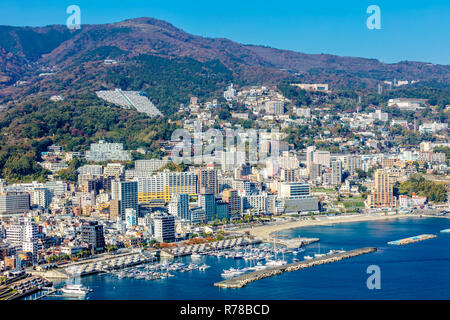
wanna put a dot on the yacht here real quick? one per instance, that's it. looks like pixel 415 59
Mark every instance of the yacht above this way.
pixel 298 251
pixel 319 255
pixel 195 256
pixel 238 255
pixel 203 267
pixel 260 266
pixel 275 263
pixel 335 251
pixel 75 289
pixel 307 257
pixel 232 272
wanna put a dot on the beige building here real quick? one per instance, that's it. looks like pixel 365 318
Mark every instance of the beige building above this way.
pixel 312 87
pixel 382 195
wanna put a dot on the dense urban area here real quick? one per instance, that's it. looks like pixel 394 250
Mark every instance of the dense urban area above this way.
pixel 386 159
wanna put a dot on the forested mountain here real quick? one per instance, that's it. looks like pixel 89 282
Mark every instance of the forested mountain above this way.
pixel 76 59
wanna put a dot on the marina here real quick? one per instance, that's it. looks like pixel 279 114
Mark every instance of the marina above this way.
pixel 102 265
pixel 257 257
pixel 203 248
pixel 241 281
pixel 23 287
pixel 343 280
pixel 409 240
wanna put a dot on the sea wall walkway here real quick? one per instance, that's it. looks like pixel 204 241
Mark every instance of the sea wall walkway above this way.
pixel 241 281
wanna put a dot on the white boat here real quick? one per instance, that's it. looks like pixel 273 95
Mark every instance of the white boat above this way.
pixel 75 289
pixel 195 256
pixel 203 267
pixel 238 255
pixel 307 257
pixel 260 267
pixel 335 251
pixel 232 272
pixel 275 263
pixel 319 255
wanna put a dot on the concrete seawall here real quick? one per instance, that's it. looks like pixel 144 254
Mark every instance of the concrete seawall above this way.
pixel 241 281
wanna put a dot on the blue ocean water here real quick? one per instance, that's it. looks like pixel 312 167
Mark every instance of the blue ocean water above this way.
pixel 416 271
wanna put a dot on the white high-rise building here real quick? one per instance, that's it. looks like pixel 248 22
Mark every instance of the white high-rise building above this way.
pixel 336 172
pixel 24 235
pixel 14 203
pixel 179 206
pixel 104 151
pixel 230 93
pixel 41 197
pixel 165 184
pixel 322 157
pixel 164 225
pixel 91 169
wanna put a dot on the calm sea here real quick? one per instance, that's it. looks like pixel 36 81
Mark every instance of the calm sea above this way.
pixel 415 271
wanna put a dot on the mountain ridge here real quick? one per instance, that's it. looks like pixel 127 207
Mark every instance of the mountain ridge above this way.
pixel 25 51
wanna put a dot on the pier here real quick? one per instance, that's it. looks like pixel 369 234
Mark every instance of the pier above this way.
pixel 22 287
pixel 409 240
pixel 294 243
pixel 241 281
pixel 101 265
pixel 208 247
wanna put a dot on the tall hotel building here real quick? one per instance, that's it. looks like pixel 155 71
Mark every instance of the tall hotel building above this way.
pixel 14 203
pixel 126 192
pixel 207 181
pixel 165 184
pixel 382 194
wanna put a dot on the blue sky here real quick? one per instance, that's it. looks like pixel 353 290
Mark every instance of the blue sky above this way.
pixel 410 30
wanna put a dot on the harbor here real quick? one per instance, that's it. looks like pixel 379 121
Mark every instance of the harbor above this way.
pixel 414 239
pixel 209 247
pixel 89 267
pixel 238 261
pixel 22 286
pixel 241 281
pixel 257 256
pixel 294 243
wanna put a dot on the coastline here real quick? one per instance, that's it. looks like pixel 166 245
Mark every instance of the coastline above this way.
pixel 266 232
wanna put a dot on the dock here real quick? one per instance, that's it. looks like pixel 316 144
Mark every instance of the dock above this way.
pixel 23 286
pixel 241 281
pixel 295 242
pixel 409 240
pixel 90 267
pixel 208 247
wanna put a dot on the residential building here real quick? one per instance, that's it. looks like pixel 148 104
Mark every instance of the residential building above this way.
pixel 164 225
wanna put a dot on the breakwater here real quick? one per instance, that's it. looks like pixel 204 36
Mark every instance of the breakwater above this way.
pixel 294 243
pixel 241 281
pixel 418 238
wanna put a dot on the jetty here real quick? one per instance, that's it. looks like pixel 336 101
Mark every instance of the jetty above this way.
pixel 241 281
pixel 294 243
pixel 409 240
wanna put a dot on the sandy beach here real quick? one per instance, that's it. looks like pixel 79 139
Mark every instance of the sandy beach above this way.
pixel 265 232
